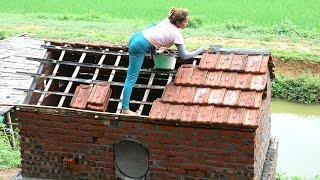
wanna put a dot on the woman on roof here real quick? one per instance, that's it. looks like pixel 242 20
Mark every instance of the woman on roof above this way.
pixel 164 34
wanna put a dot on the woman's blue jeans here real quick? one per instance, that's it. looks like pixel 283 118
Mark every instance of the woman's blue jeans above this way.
pixel 138 47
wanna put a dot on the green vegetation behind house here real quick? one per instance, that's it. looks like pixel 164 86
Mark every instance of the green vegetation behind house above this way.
pixel 9 158
pixel 305 89
pixel 290 28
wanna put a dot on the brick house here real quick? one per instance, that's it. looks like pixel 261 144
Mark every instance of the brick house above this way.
pixel 209 119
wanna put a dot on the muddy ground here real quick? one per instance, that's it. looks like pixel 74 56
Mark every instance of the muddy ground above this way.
pixel 294 68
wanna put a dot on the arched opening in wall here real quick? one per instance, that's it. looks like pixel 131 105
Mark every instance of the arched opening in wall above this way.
pixel 131 160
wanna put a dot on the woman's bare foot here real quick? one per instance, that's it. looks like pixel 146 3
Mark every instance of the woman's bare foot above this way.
pixel 128 111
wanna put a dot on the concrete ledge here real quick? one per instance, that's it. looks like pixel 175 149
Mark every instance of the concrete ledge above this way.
pixel 270 164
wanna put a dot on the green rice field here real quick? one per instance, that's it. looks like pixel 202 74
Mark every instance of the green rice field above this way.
pixel 304 14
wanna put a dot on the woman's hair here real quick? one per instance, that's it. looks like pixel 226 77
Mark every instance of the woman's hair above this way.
pixel 178 15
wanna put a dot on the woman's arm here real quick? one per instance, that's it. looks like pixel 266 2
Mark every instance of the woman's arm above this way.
pixel 187 55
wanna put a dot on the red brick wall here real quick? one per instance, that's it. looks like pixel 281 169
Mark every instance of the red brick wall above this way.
pixel 263 134
pixel 49 137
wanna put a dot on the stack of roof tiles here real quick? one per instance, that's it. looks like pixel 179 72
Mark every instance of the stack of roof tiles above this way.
pixel 93 98
pixel 225 89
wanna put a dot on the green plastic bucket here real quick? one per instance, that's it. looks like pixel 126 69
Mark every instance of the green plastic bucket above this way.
pixel 164 61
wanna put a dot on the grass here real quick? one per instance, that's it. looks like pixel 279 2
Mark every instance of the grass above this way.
pixel 9 158
pixel 304 14
pixel 289 28
pixel 283 176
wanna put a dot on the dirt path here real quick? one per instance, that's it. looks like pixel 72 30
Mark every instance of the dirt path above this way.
pixel 8 174
pixel 296 67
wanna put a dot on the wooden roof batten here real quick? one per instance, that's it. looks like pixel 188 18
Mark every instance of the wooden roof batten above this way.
pixel 156 79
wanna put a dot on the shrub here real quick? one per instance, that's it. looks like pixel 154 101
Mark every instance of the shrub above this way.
pixel 236 25
pixel 1 35
pixel 195 22
pixel 285 28
pixel 9 158
pixel 305 89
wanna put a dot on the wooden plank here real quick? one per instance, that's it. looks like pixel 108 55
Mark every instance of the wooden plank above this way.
pixel 47 85
pixel 146 94
pixel 81 50
pixel 102 66
pixel 96 72
pixel 90 81
pixel 75 73
pixel 116 64
pixel 70 95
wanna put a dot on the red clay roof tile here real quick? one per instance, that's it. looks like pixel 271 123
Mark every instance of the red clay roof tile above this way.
pixel 213 78
pixel 236 116
pixel 201 96
pixel 219 115
pixel 253 64
pixel 186 95
pixel 251 117
pixel 205 114
pixel 258 82
pixel 228 79
pixel 171 93
pixel 102 107
pixel 184 74
pixel 247 99
pixel 231 97
pixel 258 99
pixel 80 97
pixel 99 93
pixel 264 64
pixel 243 81
pixel 216 96
pixel 174 112
pixel 224 62
pixel 198 77
pixel 209 61
pixel 238 63
pixel 224 89
pixel 158 110
pixel 189 113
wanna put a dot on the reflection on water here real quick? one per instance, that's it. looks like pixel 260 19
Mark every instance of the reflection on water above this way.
pixel 299 143
pixel 295 108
